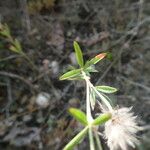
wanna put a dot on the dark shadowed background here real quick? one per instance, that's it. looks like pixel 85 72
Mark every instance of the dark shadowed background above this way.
pixel 46 30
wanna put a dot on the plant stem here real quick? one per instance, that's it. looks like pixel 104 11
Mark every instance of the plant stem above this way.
pixel 98 142
pixel 29 61
pixel 91 139
pixel 88 111
pixel 76 139
pixel 88 107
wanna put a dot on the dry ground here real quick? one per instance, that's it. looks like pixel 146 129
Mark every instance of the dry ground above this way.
pixel 46 31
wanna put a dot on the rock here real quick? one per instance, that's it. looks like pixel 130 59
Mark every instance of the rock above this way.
pixel 42 100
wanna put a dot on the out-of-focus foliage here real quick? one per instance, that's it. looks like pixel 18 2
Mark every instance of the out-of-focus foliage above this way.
pixel 35 6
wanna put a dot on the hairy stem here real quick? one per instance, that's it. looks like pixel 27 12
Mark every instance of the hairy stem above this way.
pixel 88 107
pixel 91 139
pixel 98 142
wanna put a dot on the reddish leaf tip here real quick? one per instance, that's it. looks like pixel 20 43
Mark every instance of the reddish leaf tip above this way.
pixel 101 55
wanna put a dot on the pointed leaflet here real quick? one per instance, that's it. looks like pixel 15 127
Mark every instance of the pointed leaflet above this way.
pixel 14 49
pixel 4 30
pixel 70 74
pixel 101 55
pixel 78 115
pixel 101 119
pixel 106 89
pixel 96 59
pixel 17 45
pixel 79 55
pixel 76 140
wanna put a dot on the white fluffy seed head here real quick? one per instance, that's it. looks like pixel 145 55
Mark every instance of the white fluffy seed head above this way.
pixel 42 99
pixel 120 130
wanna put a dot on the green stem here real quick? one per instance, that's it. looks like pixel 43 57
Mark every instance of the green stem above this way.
pixel 88 106
pixel 30 62
pixel 98 142
pixel 76 139
pixel 91 139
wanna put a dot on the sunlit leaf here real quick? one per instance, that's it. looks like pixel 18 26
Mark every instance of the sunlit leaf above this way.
pixel 78 115
pixel 79 55
pixel 70 74
pixel 106 89
pixel 95 60
pixel 76 140
pixel 101 119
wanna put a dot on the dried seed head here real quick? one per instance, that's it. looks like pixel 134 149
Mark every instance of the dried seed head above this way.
pixel 120 130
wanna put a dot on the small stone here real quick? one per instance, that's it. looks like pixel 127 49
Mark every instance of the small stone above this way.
pixel 72 58
pixel 42 99
pixel 55 67
pixel 46 63
pixel 27 118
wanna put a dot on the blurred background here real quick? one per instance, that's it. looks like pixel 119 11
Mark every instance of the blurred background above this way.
pixel 33 102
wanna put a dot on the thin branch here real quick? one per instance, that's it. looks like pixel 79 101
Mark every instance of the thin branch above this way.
pixel 9 96
pixel 136 84
pixel 11 75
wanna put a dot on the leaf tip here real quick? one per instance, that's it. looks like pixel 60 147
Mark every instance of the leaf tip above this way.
pixel 75 42
pixel 101 55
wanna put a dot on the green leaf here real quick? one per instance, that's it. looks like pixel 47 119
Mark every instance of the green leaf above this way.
pixel 95 60
pixel 77 139
pixel 79 55
pixel 106 89
pixel 4 30
pixel 17 45
pixel 101 119
pixel 79 77
pixel 70 74
pixel 78 115
pixel 13 48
